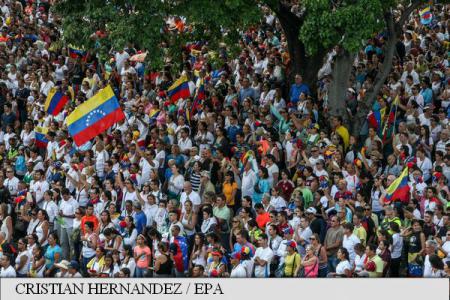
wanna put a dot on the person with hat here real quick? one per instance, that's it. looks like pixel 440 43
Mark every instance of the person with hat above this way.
pixel 316 222
pixel 73 270
pixel 216 266
pixel 281 252
pixel 63 267
pixel 238 270
pixel 292 261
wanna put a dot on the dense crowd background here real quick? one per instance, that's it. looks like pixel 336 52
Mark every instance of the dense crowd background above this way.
pixel 256 181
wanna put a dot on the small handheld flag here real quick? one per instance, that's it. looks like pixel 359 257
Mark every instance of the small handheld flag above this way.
pixel 40 141
pixel 179 89
pixel 399 189
pixel 56 100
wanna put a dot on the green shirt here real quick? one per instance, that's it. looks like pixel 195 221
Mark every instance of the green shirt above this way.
pixel 222 213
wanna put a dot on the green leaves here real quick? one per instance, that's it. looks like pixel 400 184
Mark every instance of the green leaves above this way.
pixel 141 22
pixel 347 24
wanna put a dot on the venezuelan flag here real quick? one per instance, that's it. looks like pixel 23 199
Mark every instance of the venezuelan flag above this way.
pixel 154 113
pixel 94 116
pixel 425 15
pixel 75 53
pixel 55 102
pixel 179 89
pixel 399 189
pixel 199 95
pixel 40 141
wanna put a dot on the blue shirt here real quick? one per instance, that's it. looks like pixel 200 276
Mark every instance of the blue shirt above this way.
pixel 427 95
pixel 248 92
pixel 232 131
pixel 50 255
pixel 140 220
pixel 296 90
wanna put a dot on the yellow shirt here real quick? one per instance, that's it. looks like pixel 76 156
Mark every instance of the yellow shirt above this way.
pixel 379 267
pixel 227 190
pixel 361 233
pixel 290 263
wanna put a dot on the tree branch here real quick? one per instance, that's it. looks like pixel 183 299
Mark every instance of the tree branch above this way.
pixel 405 15
pixel 383 73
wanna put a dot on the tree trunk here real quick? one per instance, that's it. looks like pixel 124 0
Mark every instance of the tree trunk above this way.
pixel 296 51
pixel 365 106
pixel 307 66
pixel 337 94
pixel 394 30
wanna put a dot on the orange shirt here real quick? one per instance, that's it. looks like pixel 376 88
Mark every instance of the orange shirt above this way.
pixel 262 220
pixel 227 190
pixel 85 219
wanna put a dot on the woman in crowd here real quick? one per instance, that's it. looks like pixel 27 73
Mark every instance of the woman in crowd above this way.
pixel 292 261
pixel 344 267
pixel 163 263
pixel 52 255
pixel 321 253
pixel 22 262
pixel 142 256
pixel 128 260
pixel 198 255
pixel 89 241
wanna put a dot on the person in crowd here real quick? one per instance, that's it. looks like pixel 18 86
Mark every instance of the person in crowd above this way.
pixel 259 178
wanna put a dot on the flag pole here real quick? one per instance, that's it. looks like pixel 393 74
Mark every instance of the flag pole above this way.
pixel 386 122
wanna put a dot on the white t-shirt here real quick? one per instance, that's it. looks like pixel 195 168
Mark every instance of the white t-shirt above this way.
pixel 278 203
pixel 397 245
pixel 12 185
pixel 39 187
pixel 342 266
pixel 193 196
pixel 349 244
pixel 120 58
pixel 265 254
pixel 59 72
pixel 427 269
pixel 238 272
pixel 68 208
pixel 52 210
pixel 271 170
pixel 446 247
pixel 305 234
pixel 9 272
pixel 27 138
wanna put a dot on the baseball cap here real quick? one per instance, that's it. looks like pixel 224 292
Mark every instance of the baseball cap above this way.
pixel 74 265
pixel 288 230
pixel 292 244
pixel 311 210
pixel 216 253
pixel 236 255
pixel 245 250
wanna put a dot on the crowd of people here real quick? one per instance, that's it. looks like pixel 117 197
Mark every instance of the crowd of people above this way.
pixel 255 180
